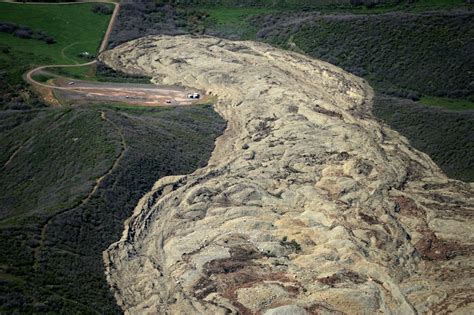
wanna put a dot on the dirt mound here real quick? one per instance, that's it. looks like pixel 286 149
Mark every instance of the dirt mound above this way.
pixel 308 204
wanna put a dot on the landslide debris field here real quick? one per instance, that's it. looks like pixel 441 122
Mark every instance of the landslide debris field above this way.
pixel 71 175
pixel 308 203
pixel 419 52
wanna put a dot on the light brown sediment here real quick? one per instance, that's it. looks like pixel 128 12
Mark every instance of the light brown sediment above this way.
pixel 308 204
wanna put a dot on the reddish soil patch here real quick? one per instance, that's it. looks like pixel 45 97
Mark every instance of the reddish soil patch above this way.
pixel 341 277
pixel 432 248
pixel 408 207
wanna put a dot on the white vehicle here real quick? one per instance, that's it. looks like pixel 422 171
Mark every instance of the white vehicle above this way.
pixel 168 101
pixel 71 83
pixel 194 95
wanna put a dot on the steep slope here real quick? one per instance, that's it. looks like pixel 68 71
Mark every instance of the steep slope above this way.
pixel 308 204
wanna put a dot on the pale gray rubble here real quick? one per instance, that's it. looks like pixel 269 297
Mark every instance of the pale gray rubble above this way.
pixel 309 205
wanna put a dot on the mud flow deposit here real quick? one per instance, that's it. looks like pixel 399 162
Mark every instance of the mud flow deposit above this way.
pixel 308 204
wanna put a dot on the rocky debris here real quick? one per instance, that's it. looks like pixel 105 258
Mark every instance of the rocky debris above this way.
pixel 308 204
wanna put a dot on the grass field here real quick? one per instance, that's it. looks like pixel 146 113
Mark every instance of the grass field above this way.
pixel 233 21
pixel 447 103
pixel 74 27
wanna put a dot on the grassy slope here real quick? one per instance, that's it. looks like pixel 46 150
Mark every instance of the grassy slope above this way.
pixel 74 26
pixel 51 172
pixel 232 21
pixel 447 103
pixel 68 272
pixel 87 29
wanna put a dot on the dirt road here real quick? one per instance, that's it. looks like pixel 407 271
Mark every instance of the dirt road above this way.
pixel 105 40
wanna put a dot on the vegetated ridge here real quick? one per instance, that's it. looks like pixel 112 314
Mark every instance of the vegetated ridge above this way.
pixel 308 204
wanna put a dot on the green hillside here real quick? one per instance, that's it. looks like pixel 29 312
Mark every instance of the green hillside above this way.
pixel 74 27
pixel 55 220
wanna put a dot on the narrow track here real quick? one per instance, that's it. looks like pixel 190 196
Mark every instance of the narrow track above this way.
pixel 29 78
pixel 18 149
pixel 85 200
pixel 103 46
pixel 97 91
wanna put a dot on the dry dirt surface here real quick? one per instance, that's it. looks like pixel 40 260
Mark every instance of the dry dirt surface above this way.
pixel 133 94
pixel 308 205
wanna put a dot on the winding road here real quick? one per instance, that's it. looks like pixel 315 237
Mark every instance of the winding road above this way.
pixel 88 91
pixel 131 94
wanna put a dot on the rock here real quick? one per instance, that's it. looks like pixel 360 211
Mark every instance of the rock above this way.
pixel 286 310
pixel 333 210
pixel 249 155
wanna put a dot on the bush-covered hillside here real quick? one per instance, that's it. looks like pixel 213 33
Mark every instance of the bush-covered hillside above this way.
pixel 56 221
pixel 419 53
pixel 70 176
pixel 446 136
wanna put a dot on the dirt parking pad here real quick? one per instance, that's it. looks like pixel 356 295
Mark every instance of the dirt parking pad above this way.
pixel 143 94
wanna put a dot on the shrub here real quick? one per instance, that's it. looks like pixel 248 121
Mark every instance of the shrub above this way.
pixel 25 32
pixel 102 9
pixel 293 244
pixel 21 33
pixel 49 40
pixel 6 27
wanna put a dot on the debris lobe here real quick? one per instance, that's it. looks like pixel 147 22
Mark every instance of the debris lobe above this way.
pixel 307 205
